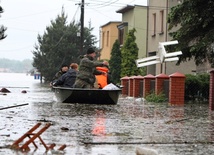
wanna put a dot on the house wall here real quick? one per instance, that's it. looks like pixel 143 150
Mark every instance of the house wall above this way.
pixel 158 32
pixel 109 34
pixel 137 18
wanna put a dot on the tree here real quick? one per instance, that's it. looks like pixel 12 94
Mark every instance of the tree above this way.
pixel 50 53
pixel 59 45
pixel 2 28
pixel 129 53
pixel 115 62
pixel 195 23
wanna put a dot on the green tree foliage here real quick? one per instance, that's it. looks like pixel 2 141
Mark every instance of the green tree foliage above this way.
pixel 195 23
pixel 129 53
pixel 115 62
pixel 197 87
pixel 59 45
pixel 2 28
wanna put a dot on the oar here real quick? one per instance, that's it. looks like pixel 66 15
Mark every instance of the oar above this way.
pixel 14 106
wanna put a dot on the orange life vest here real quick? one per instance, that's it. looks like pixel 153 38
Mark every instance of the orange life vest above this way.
pixel 102 79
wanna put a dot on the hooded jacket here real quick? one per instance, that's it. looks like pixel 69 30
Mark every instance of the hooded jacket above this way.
pixel 67 79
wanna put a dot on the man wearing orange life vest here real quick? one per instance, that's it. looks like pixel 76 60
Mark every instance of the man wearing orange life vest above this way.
pixel 103 79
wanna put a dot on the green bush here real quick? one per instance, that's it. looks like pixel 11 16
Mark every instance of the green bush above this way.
pixel 156 98
pixel 197 87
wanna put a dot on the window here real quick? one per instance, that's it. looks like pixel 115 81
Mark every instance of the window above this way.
pixel 154 24
pixel 161 22
pixel 103 39
pixel 107 39
pixel 121 33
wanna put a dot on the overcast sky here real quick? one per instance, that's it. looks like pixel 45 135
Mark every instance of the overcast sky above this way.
pixel 25 19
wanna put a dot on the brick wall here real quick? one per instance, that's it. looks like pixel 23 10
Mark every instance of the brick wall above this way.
pixel 211 93
pixel 125 84
pixel 136 85
pixel 159 83
pixel 131 86
pixel 176 88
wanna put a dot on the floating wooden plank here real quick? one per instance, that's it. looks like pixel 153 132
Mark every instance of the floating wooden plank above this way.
pixel 13 106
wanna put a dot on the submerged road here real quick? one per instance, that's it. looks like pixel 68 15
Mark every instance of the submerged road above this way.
pixel 112 129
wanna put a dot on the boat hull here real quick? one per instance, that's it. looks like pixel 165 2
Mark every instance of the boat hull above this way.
pixel 91 96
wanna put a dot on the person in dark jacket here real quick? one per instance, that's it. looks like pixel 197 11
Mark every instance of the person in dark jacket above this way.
pixel 68 79
pixel 63 69
pixel 87 70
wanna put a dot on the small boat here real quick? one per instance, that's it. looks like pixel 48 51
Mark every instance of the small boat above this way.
pixel 90 96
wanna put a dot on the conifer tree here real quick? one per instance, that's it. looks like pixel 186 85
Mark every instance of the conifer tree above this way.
pixel 129 53
pixel 2 28
pixel 59 45
pixel 115 62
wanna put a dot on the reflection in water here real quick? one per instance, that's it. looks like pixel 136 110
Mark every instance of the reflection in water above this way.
pixel 99 125
pixel 211 126
pixel 176 115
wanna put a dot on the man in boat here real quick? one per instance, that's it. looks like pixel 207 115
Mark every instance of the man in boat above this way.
pixel 87 70
pixel 68 79
pixel 63 69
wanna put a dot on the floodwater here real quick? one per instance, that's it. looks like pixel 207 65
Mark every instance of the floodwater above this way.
pixel 101 129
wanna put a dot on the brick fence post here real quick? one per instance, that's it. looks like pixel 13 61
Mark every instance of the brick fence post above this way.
pixel 136 85
pixel 130 90
pixel 211 91
pixel 147 84
pixel 176 89
pixel 159 83
pixel 125 84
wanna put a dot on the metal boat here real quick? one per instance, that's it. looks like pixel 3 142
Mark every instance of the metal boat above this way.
pixel 90 96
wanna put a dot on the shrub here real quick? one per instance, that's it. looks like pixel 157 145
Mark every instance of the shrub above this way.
pixel 156 98
pixel 197 87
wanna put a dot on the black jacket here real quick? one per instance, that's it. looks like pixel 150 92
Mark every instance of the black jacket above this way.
pixel 67 79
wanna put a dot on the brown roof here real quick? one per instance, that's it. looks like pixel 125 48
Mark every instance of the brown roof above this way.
pixel 110 23
pixel 125 9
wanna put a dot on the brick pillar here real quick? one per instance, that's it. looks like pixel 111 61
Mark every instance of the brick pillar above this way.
pixel 146 84
pixel 125 84
pixel 176 89
pixel 159 83
pixel 136 85
pixel 130 90
pixel 211 93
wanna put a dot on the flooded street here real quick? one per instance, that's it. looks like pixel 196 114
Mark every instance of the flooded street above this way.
pixel 102 129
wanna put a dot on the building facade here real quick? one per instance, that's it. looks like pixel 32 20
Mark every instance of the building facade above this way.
pixel 109 34
pixel 134 17
pixel 151 27
pixel 158 32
